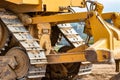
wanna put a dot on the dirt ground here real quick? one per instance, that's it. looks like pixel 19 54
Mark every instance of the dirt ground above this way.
pixel 102 72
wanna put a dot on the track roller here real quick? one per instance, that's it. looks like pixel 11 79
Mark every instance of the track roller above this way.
pixel 22 61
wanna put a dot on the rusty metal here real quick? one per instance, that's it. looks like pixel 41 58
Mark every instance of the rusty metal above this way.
pixel 7 64
pixel 7 73
pixel 66 58
pixel 8 60
pixel 22 59
pixel 104 56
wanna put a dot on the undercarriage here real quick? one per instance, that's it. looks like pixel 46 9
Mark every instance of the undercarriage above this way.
pixel 29 31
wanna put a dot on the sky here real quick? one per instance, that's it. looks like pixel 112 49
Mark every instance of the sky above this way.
pixel 110 5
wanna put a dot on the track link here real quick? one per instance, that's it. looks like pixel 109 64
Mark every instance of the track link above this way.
pixel 34 51
pixel 75 40
pixel 71 35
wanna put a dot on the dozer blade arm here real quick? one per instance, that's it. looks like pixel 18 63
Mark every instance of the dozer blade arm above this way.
pixel 90 55
pixel 78 55
pixel 106 36
pixel 65 18
pixel 60 18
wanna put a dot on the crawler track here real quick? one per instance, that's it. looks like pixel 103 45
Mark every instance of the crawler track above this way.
pixel 24 40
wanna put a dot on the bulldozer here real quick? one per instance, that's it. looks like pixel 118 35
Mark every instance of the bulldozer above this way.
pixel 30 29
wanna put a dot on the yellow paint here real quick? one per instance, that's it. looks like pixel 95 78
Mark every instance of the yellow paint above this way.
pixel 34 2
pixel 50 5
pixel 60 18
pixel 44 31
pixel 54 5
pixel 105 36
pixel 100 30
pixel 80 3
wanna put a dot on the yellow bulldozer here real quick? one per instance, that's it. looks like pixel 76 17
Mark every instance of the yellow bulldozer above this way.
pixel 30 29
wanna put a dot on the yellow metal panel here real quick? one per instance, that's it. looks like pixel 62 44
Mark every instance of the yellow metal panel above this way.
pixel 53 5
pixel 31 1
pixel 24 1
pixel 46 5
pixel 20 8
pixel 103 55
pixel 107 15
pixel 100 30
pixel 78 3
